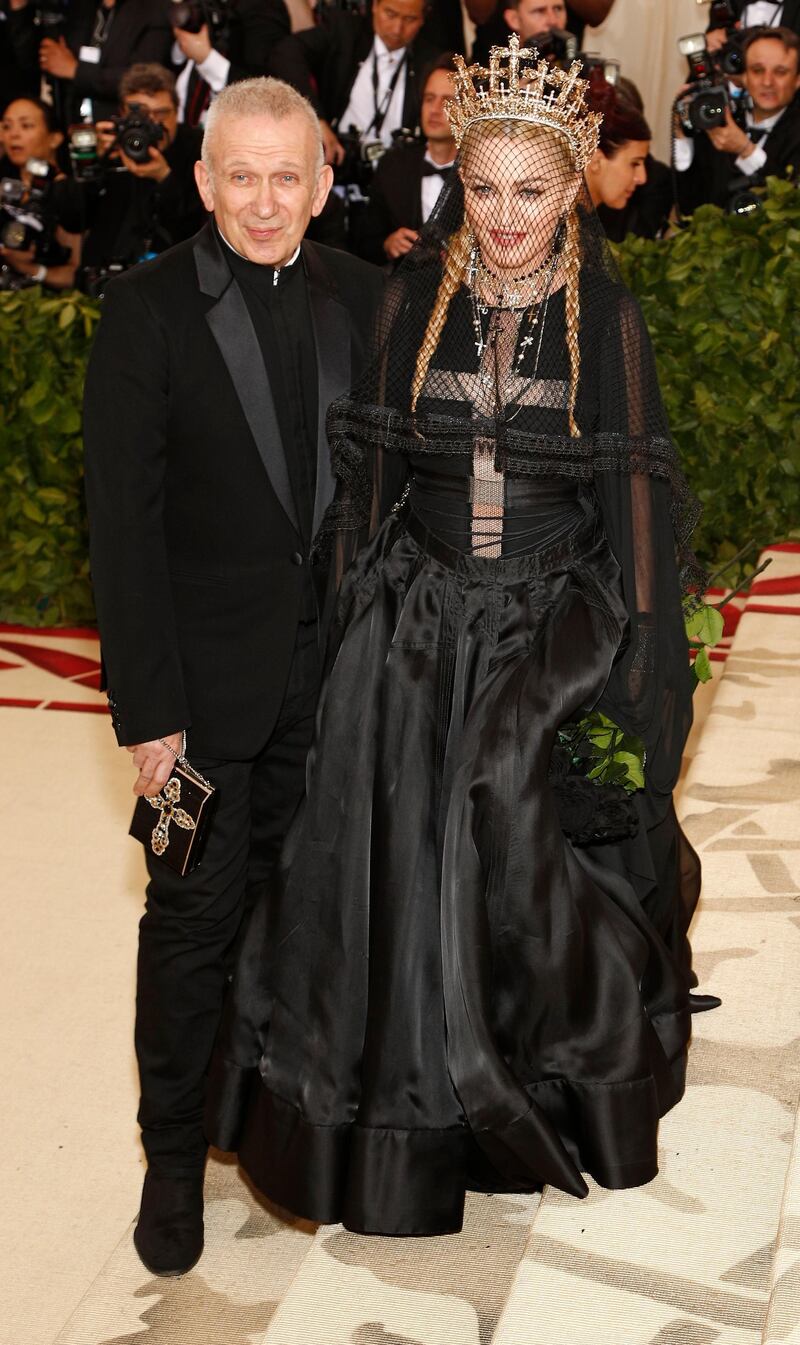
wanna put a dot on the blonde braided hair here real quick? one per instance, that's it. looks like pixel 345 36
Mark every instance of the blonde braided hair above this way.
pixel 455 269
pixel 572 308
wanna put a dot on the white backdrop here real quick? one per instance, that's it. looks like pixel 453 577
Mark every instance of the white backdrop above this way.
pixel 642 35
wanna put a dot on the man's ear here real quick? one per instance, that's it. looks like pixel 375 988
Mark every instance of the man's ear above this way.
pixel 513 20
pixel 322 189
pixel 204 184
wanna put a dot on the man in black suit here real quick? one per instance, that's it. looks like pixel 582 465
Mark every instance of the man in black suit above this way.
pixel 238 48
pixel 714 167
pixel 360 73
pixel 758 14
pixel 409 178
pixel 87 60
pixel 207 474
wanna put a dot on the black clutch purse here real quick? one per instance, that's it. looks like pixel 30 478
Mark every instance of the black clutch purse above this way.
pixel 173 825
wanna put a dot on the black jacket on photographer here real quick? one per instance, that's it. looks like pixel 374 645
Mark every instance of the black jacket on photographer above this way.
pixel 127 216
pixel 716 178
pixel 240 49
pixel 786 15
pixel 323 63
pixel 129 32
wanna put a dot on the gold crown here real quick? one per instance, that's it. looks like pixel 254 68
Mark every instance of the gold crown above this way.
pixel 540 94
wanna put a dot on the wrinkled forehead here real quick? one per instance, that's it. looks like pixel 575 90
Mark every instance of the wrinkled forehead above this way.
pixel 261 138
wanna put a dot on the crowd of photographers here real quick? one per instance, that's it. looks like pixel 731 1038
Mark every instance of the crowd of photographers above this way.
pixel 104 105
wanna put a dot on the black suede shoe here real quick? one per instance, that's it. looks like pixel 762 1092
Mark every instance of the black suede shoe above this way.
pixel 702 1003
pixel 169 1233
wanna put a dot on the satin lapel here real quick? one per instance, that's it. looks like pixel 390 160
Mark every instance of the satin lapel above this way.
pixel 331 323
pixel 234 333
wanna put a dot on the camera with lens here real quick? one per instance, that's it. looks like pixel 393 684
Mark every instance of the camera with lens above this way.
pixel 707 102
pixel 27 221
pixel 136 133
pixel 554 44
pixel 192 15
pixel 729 60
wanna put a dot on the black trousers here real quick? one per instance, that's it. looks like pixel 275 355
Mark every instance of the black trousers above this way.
pixel 191 926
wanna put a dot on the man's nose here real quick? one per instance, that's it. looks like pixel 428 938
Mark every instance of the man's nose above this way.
pixel 640 176
pixel 265 201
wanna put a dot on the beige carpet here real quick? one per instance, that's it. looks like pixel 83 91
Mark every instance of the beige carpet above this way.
pixel 708 1253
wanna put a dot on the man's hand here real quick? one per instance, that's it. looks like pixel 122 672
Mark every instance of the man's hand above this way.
pixel 106 136
pixel 716 39
pixel 155 763
pixel 24 262
pixel 195 46
pixel 334 149
pixel 730 138
pixel 56 59
pixel 156 169
pixel 399 243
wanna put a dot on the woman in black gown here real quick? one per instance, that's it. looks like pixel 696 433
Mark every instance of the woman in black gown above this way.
pixel 462 982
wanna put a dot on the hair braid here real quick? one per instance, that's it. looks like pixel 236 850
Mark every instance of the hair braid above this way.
pixel 572 265
pixel 457 256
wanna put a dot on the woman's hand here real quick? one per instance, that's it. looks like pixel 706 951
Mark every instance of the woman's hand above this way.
pixel 21 260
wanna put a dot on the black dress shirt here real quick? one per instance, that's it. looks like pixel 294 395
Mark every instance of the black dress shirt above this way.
pixel 277 301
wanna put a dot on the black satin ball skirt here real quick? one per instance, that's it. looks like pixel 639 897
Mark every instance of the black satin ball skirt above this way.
pixel 443 993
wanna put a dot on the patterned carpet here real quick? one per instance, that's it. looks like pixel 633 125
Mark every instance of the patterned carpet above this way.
pixel 708 1254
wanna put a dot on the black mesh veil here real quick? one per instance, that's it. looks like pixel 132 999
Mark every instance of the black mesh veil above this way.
pixel 509 348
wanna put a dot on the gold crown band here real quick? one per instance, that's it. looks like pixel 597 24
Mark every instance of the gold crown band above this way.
pixel 540 94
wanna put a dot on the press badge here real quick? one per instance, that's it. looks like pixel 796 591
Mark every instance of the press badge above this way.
pixel 89 54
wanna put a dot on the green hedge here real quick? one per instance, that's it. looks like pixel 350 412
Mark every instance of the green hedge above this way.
pixel 721 299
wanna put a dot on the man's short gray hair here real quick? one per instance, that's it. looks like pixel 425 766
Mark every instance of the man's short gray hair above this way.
pixel 262 97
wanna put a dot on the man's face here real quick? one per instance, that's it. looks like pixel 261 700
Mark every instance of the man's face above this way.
pixel 158 107
pixel 536 16
pixel 771 76
pixel 397 22
pixel 433 117
pixel 264 186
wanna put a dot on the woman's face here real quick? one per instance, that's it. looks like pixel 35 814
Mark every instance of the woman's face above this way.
pixel 25 133
pixel 516 189
pixel 612 181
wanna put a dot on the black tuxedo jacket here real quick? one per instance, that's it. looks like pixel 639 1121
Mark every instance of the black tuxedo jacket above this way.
pixel 197 561
pixel 323 62
pixel 395 200
pixel 139 31
pixel 790 17
pixel 713 176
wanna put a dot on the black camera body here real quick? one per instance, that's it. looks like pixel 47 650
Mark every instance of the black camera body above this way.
pixel 192 15
pixel 554 44
pixel 136 133
pixel 706 104
pixel 24 216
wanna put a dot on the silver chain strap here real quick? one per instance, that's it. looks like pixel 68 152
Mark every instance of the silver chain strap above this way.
pixel 182 761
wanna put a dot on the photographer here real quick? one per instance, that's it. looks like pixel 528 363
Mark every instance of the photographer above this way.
pixel 714 166
pixel 49 255
pixel 756 14
pixel 530 18
pixel 85 48
pixel 221 42
pixel 360 73
pixel 139 207
pixel 409 178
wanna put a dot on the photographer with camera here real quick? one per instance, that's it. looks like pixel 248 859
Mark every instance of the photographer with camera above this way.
pixel 35 249
pixel 730 16
pixel 84 48
pixel 361 76
pixel 409 178
pixel 720 156
pixel 532 18
pixel 221 42
pixel 140 195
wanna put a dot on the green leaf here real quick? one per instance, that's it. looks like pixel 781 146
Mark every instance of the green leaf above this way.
pixel 67 315
pixel 702 666
pixel 706 625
